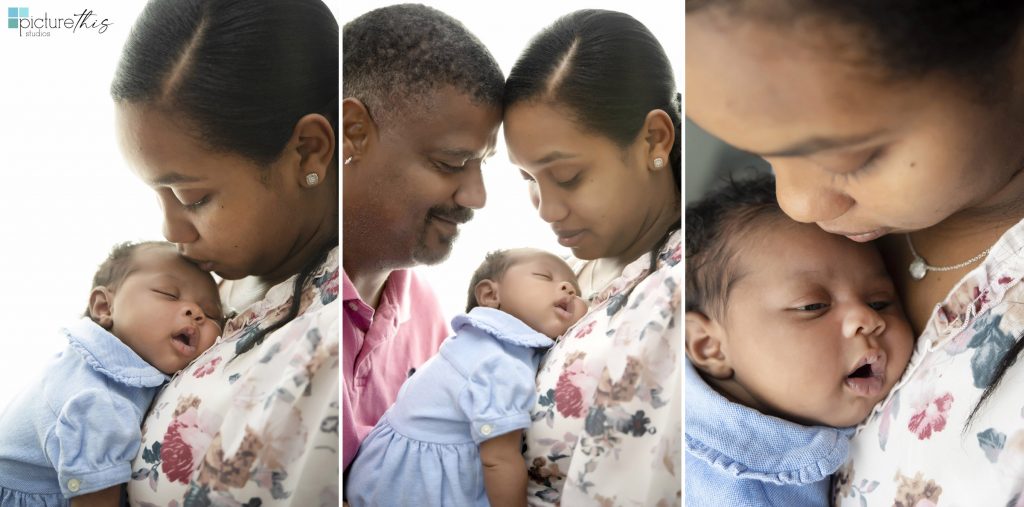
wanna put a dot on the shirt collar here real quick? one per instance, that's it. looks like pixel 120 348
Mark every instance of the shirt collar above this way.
pixel 502 326
pixel 109 356
pixel 768 448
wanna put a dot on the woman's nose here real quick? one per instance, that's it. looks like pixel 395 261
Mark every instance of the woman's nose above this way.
pixel 177 229
pixel 567 287
pixel 805 194
pixel 863 320
pixel 549 208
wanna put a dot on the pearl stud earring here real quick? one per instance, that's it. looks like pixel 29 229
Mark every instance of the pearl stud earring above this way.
pixel 312 179
pixel 659 163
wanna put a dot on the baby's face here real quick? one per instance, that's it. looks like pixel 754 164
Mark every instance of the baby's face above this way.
pixel 815 330
pixel 541 290
pixel 166 310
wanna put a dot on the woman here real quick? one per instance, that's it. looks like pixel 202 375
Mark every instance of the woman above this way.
pixel 900 121
pixel 592 119
pixel 228 111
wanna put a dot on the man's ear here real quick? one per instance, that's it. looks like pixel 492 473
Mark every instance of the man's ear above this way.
pixel 486 292
pixel 358 129
pixel 101 302
pixel 705 346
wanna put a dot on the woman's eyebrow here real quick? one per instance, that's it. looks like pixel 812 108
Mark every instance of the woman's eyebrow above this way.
pixel 816 144
pixel 553 156
pixel 173 177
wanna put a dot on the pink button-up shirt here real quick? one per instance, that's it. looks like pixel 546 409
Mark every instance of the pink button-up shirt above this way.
pixel 381 348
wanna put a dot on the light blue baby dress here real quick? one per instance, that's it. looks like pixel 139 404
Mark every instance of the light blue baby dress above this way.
pixel 424 451
pixel 76 429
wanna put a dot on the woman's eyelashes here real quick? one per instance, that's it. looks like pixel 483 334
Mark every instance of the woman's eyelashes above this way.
pixel 197 204
pixel 448 168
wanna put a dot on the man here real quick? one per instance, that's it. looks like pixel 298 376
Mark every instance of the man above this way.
pixel 421 109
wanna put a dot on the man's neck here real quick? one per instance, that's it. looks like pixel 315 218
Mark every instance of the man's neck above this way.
pixel 369 283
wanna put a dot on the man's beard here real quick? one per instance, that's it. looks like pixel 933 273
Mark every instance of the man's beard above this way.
pixel 422 253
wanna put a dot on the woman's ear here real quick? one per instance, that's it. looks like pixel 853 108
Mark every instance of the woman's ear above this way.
pixel 313 138
pixel 101 307
pixel 358 129
pixel 705 346
pixel 486 292
pixel 660 135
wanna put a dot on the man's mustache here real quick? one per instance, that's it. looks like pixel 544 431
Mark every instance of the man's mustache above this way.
pixel 457 214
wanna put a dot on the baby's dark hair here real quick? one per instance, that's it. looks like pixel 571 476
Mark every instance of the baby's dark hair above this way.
pixel 713 225
pixel 492 268
pixel 118 264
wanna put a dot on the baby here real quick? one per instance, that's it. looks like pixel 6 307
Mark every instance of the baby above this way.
pixel 793 335
pixel 73 434
pixel 461 415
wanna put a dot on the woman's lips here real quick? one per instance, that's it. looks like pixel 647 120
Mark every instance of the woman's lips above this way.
pixel 860 237
pixel 569 239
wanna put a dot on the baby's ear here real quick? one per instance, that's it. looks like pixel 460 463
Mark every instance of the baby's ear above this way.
pixel 486 292
pixel 100 307
pixel 704 346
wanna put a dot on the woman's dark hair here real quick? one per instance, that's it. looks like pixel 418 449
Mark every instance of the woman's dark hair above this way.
pixel 608 71
pixel 714 225
pixel 909 38
pixel 241 73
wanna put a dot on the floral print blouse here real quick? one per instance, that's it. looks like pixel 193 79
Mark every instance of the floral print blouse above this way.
pixel 606 428
pixel 253 428
pixel 917 448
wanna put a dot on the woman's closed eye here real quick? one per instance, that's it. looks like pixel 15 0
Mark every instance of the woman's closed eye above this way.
pixel 192 206
pixel 570 182
pixel 448 168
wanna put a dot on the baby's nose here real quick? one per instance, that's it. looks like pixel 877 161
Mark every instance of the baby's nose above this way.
pixel 567 287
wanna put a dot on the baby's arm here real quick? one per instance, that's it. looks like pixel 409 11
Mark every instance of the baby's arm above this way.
pixel 109 497
pixel 504 469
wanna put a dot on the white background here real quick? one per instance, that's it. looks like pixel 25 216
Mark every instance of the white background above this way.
pixel 66 195
pixel 509 220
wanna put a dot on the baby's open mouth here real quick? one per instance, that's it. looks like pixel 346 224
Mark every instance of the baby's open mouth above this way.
pixel 184 340
pixel 867 377
pixel 563 305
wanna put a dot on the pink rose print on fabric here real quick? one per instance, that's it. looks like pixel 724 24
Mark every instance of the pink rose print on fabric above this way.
pixel 568 399
pixel 584 330
pixel 183 445
pixel 932 418
pixel 206 369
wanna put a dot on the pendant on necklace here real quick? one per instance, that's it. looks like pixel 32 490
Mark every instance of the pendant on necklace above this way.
pixel 918 268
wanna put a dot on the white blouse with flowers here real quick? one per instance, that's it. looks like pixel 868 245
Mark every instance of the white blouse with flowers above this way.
pixel 916 449
pixel 256 428
pixel 607 425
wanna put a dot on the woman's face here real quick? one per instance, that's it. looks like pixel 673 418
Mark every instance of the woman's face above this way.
pixel 223 211
pixel 595 194
pixel 855 154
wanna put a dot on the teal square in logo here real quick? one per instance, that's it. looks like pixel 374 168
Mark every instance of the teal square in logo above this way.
pixel 12 22
pixel 12 12
pixel 23 12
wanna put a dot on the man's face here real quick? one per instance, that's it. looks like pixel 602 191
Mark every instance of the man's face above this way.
pixel 419 178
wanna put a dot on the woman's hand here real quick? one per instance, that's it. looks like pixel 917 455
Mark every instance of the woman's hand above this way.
pixel 504 470
pixel 110 497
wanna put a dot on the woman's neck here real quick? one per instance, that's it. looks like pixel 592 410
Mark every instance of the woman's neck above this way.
pixel 652 230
